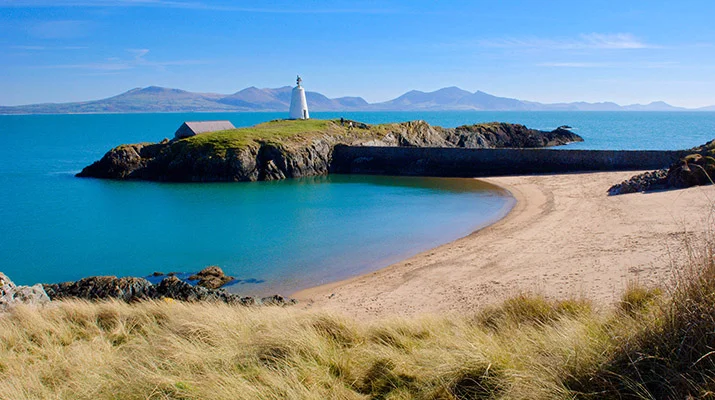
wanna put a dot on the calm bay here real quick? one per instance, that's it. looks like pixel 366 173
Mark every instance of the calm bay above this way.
pixel 273 236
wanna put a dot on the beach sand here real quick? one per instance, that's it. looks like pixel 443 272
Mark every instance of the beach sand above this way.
pixel 564 238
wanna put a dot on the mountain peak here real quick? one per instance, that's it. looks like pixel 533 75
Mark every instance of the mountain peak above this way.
pixel 451 89
pixel 161 99
pixel 159 89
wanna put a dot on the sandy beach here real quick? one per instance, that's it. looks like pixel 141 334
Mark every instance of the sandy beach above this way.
pixel 564 238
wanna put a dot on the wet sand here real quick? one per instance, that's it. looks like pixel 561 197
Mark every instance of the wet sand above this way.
pixel 564 238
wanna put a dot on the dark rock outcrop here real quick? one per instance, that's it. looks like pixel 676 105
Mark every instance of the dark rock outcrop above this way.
pixel 211 277
pixel 174 288
pixel 298 156
pixel 503 135
pixel 174 162
pixel 695 169
pixel 642 182
pixel 138 289
pixel 125 161
pixel 103 287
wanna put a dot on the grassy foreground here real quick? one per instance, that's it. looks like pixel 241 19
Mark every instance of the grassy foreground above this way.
pixel 655 344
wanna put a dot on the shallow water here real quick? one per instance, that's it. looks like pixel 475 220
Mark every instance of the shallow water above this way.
pixel 273 236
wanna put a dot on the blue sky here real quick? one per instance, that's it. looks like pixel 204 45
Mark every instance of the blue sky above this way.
pixel 622 51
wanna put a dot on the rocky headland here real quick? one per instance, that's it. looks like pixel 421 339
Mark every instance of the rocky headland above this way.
pixel 695 169
pixel 290 149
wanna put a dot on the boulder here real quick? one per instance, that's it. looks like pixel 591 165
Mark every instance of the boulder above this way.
pixel 277 300
pixel 693 170
pixel 5 281
pixel 11 294
pixel 211 277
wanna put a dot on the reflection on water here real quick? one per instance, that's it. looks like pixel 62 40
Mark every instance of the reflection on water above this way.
pixel 452 185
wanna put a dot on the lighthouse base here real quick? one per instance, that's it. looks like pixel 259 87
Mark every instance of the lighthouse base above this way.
pixel 298 104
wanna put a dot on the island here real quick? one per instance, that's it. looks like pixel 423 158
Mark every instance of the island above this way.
pixel 296 148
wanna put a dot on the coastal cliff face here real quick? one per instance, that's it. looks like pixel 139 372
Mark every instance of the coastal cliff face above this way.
pixel 291 149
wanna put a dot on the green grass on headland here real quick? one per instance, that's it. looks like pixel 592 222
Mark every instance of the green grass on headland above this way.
pixel 654 345
pixel 276 132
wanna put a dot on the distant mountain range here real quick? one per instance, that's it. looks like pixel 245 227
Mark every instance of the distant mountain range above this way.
pixel 158 99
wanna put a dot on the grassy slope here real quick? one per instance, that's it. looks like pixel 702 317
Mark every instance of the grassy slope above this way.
pixel 268 131
pixel 279 132
pixel 653 345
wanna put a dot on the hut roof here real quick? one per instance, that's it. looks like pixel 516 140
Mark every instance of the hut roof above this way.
pixel 191 128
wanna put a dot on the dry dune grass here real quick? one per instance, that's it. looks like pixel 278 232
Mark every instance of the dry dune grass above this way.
pixel 655 344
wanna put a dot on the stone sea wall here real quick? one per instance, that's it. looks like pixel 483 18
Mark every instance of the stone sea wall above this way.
pixel 465 162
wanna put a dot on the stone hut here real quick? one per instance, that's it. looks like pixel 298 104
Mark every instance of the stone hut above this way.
pixel 193 128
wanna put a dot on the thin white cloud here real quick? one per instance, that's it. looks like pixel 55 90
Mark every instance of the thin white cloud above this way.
pixel 46 48
pixel 613 41
pixel 98 66
pixel 193 5
pixel 60 29
pixel 20 47
pixel 139 53
pixel 120 64
pixel 577 64
pixel 616 41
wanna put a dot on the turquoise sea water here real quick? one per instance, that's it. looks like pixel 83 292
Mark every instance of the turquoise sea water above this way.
pixel 274 236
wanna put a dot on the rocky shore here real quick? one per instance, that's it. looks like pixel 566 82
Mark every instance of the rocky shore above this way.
pixel 696 169
pixel 131 289
pixel 290 149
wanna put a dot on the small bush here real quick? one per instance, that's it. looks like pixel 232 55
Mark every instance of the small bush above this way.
pixel 531 309
pixel 638 298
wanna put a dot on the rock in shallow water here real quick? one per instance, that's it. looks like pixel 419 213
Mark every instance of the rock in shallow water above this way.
pixel 211 277
pixel 174 288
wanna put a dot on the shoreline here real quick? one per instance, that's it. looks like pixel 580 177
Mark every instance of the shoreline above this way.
pixel 564 237
pixel 387 261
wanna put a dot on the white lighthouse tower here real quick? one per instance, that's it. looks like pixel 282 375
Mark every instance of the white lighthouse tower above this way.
pixel 298 103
